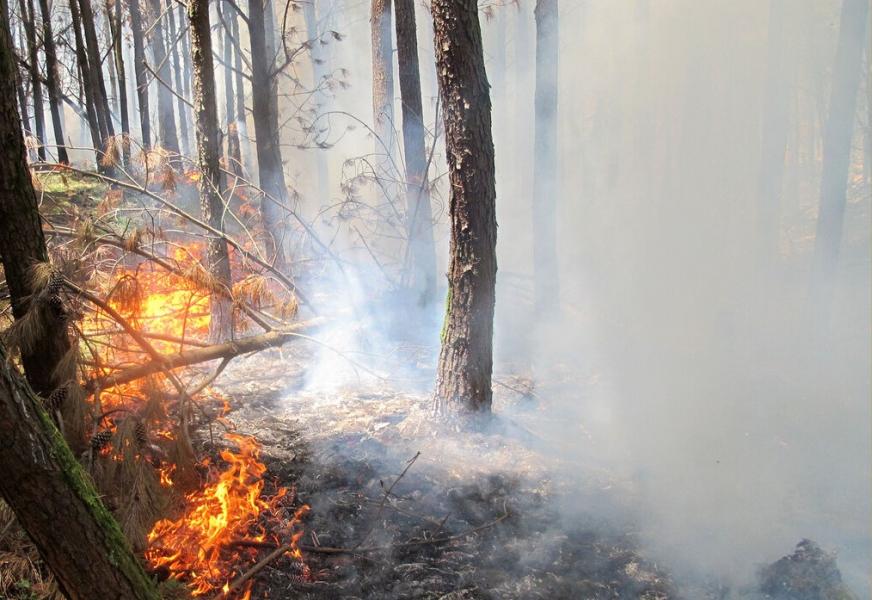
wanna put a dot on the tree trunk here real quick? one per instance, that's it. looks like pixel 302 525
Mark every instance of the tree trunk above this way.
pixel 837 146
pixel 319 74
pixel 234 153
pixel 269 154
pixel 85 76
pixel 545 176
pixel 419 215
pixel 57 505
pixel 117 30
pixel 166 118
pixel 139 70
pixel 242 126
pixel 208 152
pixel 463 378
pixel 29 18
pixel 51 76
pixel 774 140
pixel 177 70
pixel 95 63
pixel 382 80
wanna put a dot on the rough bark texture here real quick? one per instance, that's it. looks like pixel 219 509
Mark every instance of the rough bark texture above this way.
pixel 166 118
pixel 266 129
pixel 57 505
pixel 463 378
pixel 139 70
pixel 545 177
pixel 51 75
pixel 774 128
pixel 419 215
pixel 382 76
pixel 837 142
pixel 208 153
pixel 29 18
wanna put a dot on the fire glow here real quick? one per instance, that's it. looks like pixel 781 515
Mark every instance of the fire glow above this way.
pixel 203 545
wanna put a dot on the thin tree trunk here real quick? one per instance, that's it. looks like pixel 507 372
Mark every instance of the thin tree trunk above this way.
pixel 269 155
pixel 209 152
pixel 117 30
pixel 774 129
pixel 419 214
pixel 463 377
pixel 322 186
pixel 242 125
pixel 85 77
pixel 234 152
pixel 51 75
pixel 177 70
pixel 95 63
pixel 837 146
pixel 545 176
pixel 29 18
pixel 139 70
pixel 166 118
pixel 382 79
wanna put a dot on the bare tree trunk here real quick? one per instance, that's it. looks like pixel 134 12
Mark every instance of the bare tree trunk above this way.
pixel 85 76
pixel 139 70
pixel 29 18
pixel 177 70
pixel 117 23
pixel 234 152
pixel 837 146
pixel 95 63
pixel 209 152
pixel 463 377
pixel 242 126
pixel 166 118
pixel 382 79
pixel 545 176
pixel 419 214
pixel 319 74
pixel 269 154
pixel 51 76
pixel 774 130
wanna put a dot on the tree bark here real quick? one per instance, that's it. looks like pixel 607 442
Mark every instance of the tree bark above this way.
pixel 382 79
pixel 242 126
pixel 51 75
pixel 266 130
pixel 837 146
pixel 463 378
pixel 29 18
pixel 166 118
pixel 208 153
pixel 545 176
pixel 419 214
pixel 234 152
pixel 117 23
pixel 177 70
pixel 57 505
pixel 139 70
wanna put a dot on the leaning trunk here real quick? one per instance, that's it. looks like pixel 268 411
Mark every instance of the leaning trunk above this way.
pixel 208 152
pixel 95 62
pixel 463 377
pixel 421 250
pixel 85 75
pixel 545 178
pixel 837 146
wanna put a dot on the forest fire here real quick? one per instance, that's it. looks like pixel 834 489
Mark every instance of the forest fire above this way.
pixel 206 544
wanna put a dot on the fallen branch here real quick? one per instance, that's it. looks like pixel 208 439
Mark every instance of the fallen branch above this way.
pixel 227 350
pixel 240 581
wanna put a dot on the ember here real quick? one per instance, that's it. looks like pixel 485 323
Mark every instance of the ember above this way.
pixel 205 545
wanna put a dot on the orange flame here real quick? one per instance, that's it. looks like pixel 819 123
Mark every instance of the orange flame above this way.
pixel 202 545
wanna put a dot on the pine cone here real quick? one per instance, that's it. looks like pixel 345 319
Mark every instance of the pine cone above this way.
pixel 101 439
pixel 140 434
pixel 55 284
pixel 56 399
pixel 57 304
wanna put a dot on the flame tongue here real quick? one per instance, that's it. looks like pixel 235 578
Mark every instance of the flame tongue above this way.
pixel 202 545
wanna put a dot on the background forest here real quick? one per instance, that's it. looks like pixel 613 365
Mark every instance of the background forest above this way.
pixel 436 299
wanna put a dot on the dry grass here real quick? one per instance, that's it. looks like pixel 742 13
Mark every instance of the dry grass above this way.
pixel 23 576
